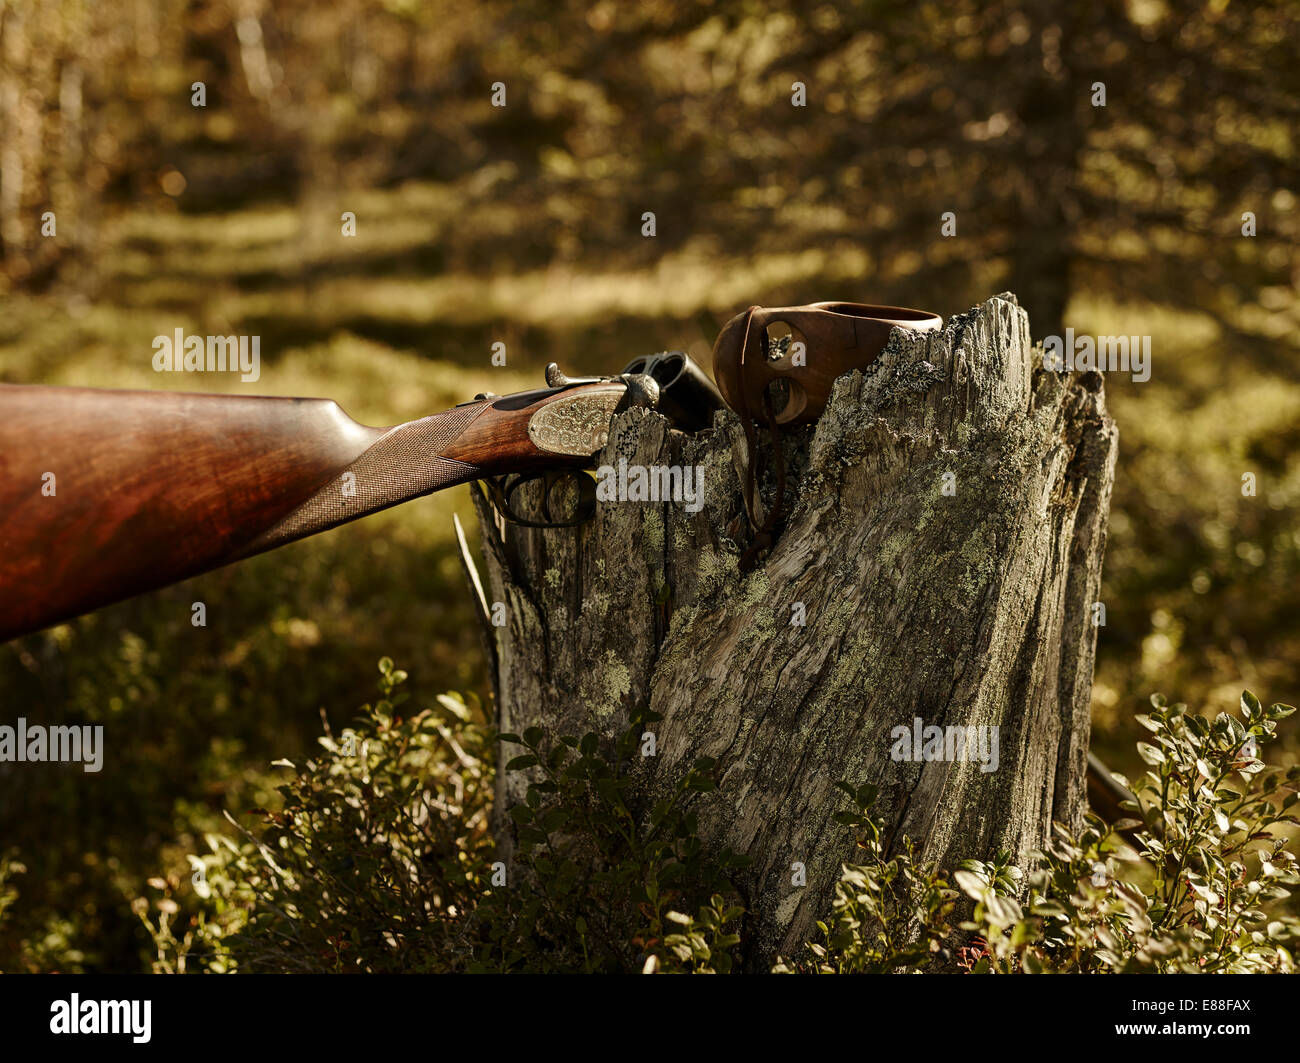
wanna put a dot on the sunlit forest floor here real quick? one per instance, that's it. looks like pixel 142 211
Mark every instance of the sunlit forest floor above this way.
pixel 1200 582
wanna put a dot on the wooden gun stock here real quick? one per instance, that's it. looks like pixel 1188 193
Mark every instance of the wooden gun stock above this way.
pixel 107 494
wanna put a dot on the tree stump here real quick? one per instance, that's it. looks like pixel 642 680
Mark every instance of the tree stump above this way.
pixel 940 562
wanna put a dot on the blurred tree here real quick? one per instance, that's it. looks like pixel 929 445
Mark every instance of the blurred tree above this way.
pixel 990 111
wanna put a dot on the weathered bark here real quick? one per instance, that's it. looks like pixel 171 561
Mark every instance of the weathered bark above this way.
pixel 972 607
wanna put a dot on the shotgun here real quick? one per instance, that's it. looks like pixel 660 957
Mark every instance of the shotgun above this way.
pixel 107 494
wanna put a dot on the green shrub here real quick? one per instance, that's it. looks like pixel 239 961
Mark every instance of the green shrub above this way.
pixel 382 858
pixel 889 913
pixel 601 889
pixel 370 864
pixel 1194 893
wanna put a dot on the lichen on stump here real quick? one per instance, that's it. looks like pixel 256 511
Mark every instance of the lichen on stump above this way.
pixel 942 548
